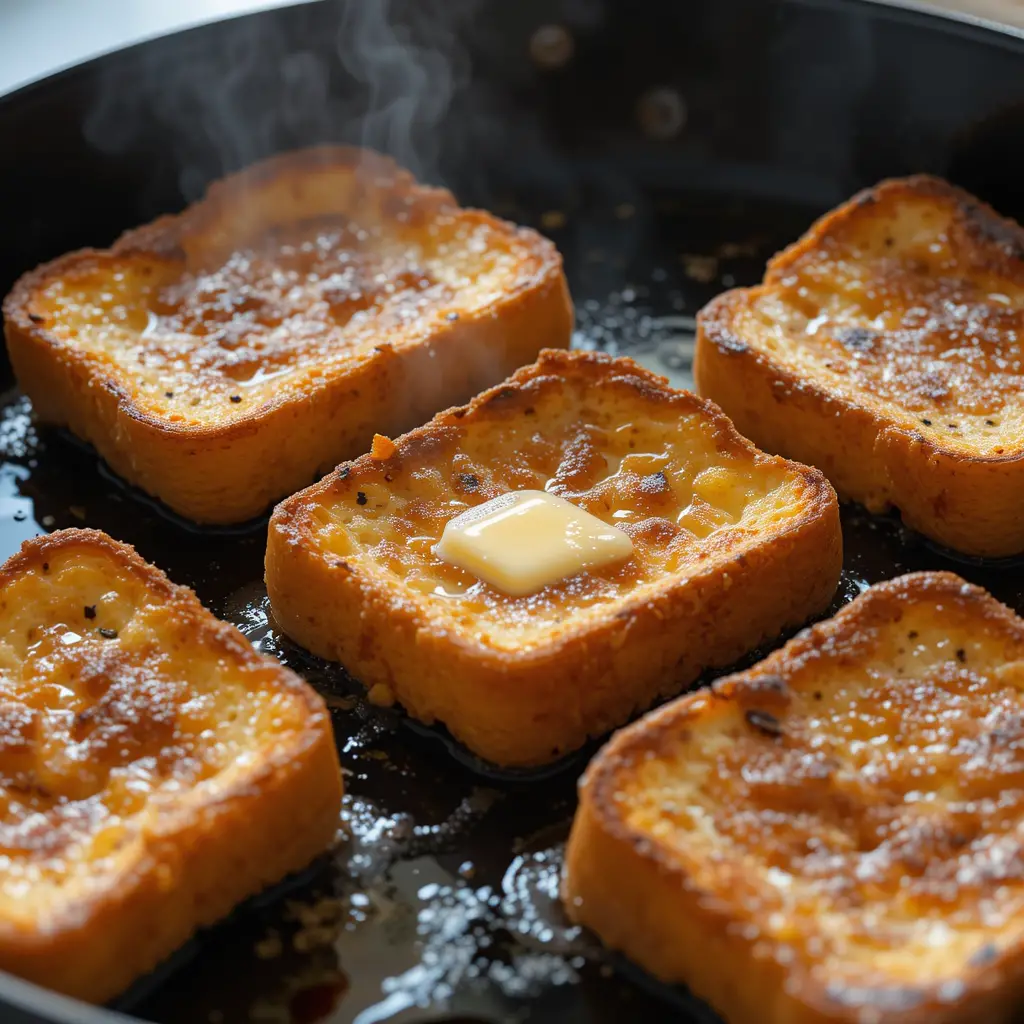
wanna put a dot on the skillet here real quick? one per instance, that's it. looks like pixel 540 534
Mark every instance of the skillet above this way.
pixel 669 147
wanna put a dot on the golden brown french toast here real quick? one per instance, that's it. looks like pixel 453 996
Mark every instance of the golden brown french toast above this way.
pixel 221 358
pixel 834 834
pixel 886 347
pixel 154 769
pixel 729 547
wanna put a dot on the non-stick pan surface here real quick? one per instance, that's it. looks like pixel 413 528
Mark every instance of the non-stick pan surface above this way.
pixel 669 148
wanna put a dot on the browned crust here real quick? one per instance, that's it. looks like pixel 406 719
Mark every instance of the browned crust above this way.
pixel 967 502
pixel 530 707
pixel 230 471
pixel 199 861
pixel 660 918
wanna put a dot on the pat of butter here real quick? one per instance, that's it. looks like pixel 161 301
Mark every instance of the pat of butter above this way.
pixel 522 541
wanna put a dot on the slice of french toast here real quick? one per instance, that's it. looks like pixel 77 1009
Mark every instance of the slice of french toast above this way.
pixel 221 358
pixel 730 546
pixel 886 347
pixel 834 834
pixel 154 769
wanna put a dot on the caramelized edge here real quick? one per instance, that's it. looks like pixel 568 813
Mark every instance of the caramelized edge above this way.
pixel 560 364
pixel 208 627
pixel 980 221
pixel 161 238
pixel 654 736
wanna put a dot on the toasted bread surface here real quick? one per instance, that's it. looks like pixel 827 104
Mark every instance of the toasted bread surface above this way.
pixel 154 769
pixel 886 347
pixel 223 357
pixel 730 546
pixel 833 835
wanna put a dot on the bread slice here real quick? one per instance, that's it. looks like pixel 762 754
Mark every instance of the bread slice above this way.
pixel 886 347
pixel 154 769
pixel 834 834
pixel 220 359
pixel 730 547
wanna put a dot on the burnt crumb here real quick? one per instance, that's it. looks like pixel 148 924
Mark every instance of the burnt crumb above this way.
pixel 168 394
pixel 952 426
pixel 654 483
pixel 107 634
pixel 860 339
pixel 468 482
pixel 459 413
pixel 343 473
pixel 530 411
pixel 452 317
pixel 817 694
pixel 990 423
pixel 236 399
pixel 927 423
pixel 961 655
pixel 36 318
pixel 889 242
pixel 90 611
pixel 503 394
pixel 46 566
pixel 764 721
pixel 768 684
pixel 360 498
pixel 912 635
pixel 983 955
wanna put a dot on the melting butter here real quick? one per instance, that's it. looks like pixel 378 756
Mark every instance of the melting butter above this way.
pixel 522 541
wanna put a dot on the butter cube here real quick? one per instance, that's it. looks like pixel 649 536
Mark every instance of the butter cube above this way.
pixel 524 540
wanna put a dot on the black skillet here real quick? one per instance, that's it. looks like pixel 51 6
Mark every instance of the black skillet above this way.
pixel 669 147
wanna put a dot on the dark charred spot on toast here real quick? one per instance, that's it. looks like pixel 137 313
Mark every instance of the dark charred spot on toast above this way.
pixel 107 633
pixel 360 498
pixel 655 483
pixel 90 611
pixel 466 483
pixel 987 226
pixel 502 396
pixel 764 721
pixel 761 691
pixel 581 465
pixel 927 422
pixel 859 339
pixel 46 566
pixel 236 399
pixel 912 635
pixel 36 318
pixel 168 394
pixel 961 655
pixel 984 955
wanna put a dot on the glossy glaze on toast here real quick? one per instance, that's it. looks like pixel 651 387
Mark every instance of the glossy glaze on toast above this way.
pixel 730 547
pixel 221 358
pixel 833 835
pixel 154 769
pixel 886 347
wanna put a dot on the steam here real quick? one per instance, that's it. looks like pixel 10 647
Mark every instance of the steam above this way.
pixel 385 79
